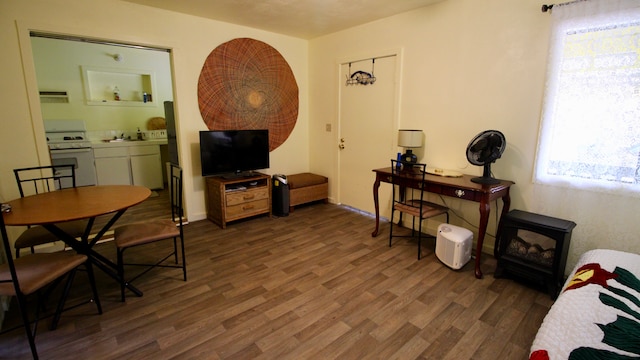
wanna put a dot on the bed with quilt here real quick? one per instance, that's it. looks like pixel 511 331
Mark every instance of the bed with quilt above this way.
pixel 597 315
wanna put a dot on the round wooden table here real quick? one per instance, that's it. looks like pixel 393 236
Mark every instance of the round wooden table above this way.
pixel 47 209
pixel 73 204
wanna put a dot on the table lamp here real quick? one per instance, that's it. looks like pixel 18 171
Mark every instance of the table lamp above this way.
pixel 409 139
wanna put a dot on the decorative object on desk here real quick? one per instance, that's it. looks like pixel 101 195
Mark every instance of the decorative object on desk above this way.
pixel 245 84
pixel 361 77
pixel 443 172
pixel 484 149
pixel 409 139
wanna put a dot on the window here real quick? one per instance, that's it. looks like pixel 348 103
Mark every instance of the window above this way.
pixel 590 130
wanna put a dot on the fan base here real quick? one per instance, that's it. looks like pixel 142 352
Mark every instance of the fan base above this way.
pixel 485 180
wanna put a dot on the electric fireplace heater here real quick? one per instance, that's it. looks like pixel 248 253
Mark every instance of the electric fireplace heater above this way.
pixel 534 247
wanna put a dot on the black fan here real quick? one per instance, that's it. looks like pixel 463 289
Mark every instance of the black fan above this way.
pixel 485 149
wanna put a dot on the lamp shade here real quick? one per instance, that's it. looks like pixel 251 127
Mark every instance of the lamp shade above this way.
pixel 409 138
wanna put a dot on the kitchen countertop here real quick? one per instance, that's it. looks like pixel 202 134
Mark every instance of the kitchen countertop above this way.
pixel 102 144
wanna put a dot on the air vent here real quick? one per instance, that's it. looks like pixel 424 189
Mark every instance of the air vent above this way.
pixel 54 97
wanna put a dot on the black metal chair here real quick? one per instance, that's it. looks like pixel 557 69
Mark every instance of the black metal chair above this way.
pixel 39 179
pixel 411 202
pixel 141 233
pixel 33 273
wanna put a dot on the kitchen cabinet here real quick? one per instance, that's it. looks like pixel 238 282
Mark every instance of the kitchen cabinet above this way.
pixel 146 167
pixel 129 165
pixel 112 166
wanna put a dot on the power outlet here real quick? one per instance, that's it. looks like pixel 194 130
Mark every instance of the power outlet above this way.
pixel 327 127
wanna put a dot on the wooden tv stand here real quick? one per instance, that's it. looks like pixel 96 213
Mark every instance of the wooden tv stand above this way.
pixel 238 198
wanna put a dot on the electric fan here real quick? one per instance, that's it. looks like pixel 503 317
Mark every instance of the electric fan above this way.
pixel 483 150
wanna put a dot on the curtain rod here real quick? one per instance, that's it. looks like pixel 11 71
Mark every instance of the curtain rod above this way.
pixel 546 7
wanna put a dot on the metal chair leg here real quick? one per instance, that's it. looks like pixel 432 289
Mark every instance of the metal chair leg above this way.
pixel 63 298
pixel 121 273
pixel 22 304
pixel 94 288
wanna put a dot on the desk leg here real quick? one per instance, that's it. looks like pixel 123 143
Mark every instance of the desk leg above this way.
pixel 484 220
pixel 376 186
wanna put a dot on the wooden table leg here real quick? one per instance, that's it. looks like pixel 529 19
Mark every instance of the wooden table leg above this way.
pixel 376 186
pixel 484 220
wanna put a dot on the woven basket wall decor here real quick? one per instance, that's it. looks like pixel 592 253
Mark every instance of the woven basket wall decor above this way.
pixel 247 84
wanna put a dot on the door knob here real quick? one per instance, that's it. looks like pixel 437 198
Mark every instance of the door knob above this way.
pixel 341 146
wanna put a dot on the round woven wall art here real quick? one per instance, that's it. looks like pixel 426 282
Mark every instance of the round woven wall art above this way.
pixel 246 84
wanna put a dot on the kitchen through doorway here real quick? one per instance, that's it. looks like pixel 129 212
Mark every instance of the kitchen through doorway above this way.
pixel 118 90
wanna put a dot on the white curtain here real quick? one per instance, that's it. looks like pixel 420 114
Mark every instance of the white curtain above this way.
pixel 590 129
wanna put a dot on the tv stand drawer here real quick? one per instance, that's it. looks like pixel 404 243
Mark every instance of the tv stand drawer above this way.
pixel 241 197
pixel 245 209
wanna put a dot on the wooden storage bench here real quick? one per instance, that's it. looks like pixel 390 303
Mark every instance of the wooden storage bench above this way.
pixel 307 187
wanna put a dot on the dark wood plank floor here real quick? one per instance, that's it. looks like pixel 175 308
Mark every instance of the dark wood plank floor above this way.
pixel 313 285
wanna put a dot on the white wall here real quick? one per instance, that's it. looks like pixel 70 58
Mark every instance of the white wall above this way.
pixel 469 66
pixel 190 39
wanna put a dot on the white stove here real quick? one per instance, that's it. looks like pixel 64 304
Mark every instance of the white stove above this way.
pixel 66 134
pixel 68 144
pixel 68 141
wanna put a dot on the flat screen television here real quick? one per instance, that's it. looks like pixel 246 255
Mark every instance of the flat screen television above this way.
pixel 233 153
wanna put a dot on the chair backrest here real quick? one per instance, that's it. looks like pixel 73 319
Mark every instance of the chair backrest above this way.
pixel 175 191
pixel 39 179
pixel 401 171
pixel 7 255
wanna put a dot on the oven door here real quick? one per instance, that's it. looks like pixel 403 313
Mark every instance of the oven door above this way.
pixel 83 161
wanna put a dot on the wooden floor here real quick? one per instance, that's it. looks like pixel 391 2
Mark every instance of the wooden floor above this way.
pixel 313 285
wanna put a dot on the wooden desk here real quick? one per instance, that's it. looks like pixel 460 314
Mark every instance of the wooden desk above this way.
pixel 47 209
pixel 459 187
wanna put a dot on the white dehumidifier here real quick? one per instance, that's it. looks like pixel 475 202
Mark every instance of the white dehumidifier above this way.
pixel 453 245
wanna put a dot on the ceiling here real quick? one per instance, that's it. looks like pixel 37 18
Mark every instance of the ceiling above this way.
pixel 299 18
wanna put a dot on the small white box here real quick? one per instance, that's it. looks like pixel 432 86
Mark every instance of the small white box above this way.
pixel 453 245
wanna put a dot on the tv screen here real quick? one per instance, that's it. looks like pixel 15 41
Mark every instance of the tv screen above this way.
pixel 233 153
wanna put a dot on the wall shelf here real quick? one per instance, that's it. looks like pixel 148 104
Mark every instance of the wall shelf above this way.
pixel 99 85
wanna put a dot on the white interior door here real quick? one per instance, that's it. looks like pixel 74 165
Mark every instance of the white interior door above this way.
pixel 368 114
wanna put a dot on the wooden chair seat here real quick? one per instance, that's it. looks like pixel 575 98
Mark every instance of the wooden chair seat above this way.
pixel 411 202
pixel 145 232
pixel 32 273
pixel 429 209
pixel 141 233
pixel 38 235
pixel 37 270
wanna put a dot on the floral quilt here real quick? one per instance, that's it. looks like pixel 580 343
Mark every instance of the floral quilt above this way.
pixel 597 315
